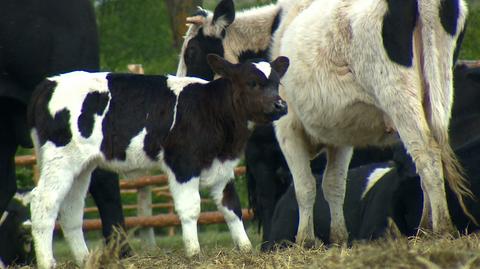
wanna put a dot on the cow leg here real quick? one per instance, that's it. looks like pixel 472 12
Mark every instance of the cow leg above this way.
pixel 55 182
pixel 425 220
pixel 425 151
pixel 227 201
pixel 71 216
pixel 334 187
pixel 186 198
pixel 8 146
pixel 105 191
pixel 296 149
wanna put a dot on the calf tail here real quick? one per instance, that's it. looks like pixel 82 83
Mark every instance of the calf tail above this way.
pixel 439 25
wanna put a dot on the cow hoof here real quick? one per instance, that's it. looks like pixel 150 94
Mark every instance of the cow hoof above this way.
pixel 307 243
pixel 338 236
pixel 446 228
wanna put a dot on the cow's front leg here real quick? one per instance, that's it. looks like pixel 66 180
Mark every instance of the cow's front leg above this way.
pixel 186 198
pixel 297 152
pixel 227 201
pixel 334 187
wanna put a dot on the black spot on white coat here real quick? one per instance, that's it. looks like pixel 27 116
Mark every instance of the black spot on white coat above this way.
pixel 449 12
pixel 55 129
pixel 397 31
pixel 94 104
pixel 134 106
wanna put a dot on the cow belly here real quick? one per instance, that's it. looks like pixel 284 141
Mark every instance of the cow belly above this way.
pixel 357 124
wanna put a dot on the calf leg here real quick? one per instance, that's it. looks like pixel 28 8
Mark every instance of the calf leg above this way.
pixel 186 198
pixel 105 190
pixel 334 187
pixel 55 182
pixel 227 201
pixel 71 216
pixel 295 147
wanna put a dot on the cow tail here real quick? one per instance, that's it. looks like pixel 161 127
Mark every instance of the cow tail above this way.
pixel 437 49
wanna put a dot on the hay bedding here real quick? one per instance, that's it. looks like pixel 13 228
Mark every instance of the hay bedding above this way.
pixel 425 252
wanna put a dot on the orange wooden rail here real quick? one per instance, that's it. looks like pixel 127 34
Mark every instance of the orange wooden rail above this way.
pixel 163 220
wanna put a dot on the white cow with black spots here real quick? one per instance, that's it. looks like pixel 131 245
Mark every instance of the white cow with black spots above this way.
pixel 358 70
pixel 192 129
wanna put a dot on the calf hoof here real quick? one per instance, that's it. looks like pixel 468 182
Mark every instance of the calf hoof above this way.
pixel 50 264
pixel 191 253
pixel 245 247
pixel 126 251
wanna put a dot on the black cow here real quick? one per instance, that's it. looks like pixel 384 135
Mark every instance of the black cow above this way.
pixel 397 195
pixel 38 39
pixel 15 236
pixel 192 129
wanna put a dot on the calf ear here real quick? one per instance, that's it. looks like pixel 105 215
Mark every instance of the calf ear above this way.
pixel 280 65
pixel 224 13
pixel 219 65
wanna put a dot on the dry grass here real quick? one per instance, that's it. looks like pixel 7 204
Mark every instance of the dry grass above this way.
pixel 425 252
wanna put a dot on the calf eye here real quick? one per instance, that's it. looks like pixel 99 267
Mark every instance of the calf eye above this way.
pixel 252 84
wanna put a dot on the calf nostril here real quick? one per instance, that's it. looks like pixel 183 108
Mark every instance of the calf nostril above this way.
pixel 280 104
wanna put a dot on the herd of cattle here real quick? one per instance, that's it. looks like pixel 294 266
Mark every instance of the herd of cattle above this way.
pixel 363 75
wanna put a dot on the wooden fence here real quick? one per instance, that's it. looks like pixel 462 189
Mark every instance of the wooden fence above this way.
pixel 144 187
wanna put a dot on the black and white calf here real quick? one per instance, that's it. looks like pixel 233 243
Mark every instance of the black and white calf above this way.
pixel 192 129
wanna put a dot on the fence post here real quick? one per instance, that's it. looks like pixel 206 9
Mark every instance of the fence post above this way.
pixel 144 209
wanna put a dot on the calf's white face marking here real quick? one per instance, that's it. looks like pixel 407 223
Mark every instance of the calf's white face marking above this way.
pixel 265 67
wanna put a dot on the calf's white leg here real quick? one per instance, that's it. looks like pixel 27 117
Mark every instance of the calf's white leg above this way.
pixel 71 216
pixel 294 145
pixel 186 198
pixel 334 187
pixel 227 201
pixel 53 185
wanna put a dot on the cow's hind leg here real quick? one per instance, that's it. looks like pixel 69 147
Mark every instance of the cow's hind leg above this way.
pixel 55 182
pixel 425 220
pixel 227 201
pixel 334 187
pixel 71 216
pixel 407 113
pixel 186 198
pixel 297 151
